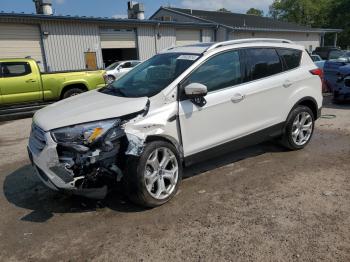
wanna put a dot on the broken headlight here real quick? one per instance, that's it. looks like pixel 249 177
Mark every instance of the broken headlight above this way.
pixel 87 133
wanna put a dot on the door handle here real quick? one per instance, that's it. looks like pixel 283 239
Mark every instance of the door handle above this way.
pixel 237 98
pixel 30 81
pixel 287 83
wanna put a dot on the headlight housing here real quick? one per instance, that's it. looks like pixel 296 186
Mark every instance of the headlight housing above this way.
pixel 85 134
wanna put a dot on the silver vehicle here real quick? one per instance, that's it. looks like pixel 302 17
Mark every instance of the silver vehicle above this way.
pixel 118 69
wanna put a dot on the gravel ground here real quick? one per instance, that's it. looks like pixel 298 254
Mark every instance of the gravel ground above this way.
pixel 259 204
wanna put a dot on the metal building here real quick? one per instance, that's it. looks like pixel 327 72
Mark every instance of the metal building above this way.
pixel 62 43
pixel 73 43
pixel 237 26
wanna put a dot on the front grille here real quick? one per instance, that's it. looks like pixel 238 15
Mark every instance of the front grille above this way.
pixel 37 140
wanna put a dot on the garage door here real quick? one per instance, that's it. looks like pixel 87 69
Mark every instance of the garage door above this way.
pixel 20 41
pixel 118 38
pixel 187 36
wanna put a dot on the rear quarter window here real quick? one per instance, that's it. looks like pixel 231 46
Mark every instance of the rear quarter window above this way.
pixel 291 57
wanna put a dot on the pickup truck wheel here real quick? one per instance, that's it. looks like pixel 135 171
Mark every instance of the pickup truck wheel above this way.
pixel 299 128
pixel 72 92
pixel 153 178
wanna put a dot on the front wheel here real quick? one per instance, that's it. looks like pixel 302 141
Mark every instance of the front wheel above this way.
pixel 299 128
pixel 153 178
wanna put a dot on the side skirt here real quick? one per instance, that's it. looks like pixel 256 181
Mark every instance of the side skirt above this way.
pixel 249 140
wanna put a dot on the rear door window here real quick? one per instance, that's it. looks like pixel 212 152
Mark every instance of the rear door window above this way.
pixel 260 63
pixel 290 57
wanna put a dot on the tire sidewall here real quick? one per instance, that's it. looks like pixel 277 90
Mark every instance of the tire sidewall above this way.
pixel 136 179
pixel 289 126
pixel 70 92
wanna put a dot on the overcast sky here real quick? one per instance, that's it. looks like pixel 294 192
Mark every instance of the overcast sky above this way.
pixel 109 8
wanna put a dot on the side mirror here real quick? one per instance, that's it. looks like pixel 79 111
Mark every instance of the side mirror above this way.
pixel 195 90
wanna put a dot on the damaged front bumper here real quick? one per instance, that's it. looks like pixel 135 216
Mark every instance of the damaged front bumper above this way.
pixel 55 173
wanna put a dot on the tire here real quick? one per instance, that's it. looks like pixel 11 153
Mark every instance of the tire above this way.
pixel 72 92
pixel 141 172
pixel 110 79
pixel 298 135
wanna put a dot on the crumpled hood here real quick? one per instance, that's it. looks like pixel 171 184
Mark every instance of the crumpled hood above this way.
pixel 87 107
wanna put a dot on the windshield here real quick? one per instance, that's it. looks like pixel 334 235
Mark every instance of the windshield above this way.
pixel 152 76
pixel 112 66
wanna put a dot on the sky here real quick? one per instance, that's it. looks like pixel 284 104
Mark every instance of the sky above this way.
pixel 117 8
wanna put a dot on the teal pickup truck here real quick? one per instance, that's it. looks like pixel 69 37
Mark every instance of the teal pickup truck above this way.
pixel 23 86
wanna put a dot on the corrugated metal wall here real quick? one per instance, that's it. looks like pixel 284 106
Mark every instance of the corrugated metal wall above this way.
pixel 145 42
pixel 166 37
pixel 66 44
pixel 207 35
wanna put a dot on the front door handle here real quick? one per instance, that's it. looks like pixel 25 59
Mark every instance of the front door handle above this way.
pixel 30 81
pixel 287 84
pixel 237 98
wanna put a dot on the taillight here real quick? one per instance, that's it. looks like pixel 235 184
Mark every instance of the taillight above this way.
pixel 317 72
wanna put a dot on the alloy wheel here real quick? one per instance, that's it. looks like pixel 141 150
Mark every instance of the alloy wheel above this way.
pixel 302 128
pixel 161 173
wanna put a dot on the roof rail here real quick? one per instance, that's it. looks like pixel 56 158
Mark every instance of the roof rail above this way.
pixel 249 40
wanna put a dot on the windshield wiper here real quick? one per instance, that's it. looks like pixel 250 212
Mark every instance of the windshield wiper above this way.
pixel 110 90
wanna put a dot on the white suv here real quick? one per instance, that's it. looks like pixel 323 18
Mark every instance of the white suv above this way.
pixel 182 106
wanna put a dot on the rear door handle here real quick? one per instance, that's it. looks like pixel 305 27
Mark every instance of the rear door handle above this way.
pixel 287 83
pixel 237 98
pixel 30 81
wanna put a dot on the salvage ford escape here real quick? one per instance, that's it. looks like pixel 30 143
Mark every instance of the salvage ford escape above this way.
pixel 181 106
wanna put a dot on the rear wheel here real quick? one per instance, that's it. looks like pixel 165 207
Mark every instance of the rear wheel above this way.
pixel 153 178
pixel 72 92
pixel 299 128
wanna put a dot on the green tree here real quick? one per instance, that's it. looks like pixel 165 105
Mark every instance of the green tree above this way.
pixel 305 12
pixel 224 10
pixel 254 11
pixel 339 17
pixel 316 13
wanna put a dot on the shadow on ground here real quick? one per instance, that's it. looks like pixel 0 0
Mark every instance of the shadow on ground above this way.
pixel 23 189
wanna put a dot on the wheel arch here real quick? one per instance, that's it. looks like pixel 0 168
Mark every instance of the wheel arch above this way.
pixel 81 86
pixel 309 102
pixel 168 139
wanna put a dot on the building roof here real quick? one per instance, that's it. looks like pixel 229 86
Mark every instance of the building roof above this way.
pixel 101 20
pixel 244 22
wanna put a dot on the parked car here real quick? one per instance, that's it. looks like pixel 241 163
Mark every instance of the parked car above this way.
pixel 184 105
pixel 22 83
pixel 336 75
pixel 328 52
pixel 118 69
pixel 331 70
pixel 316 58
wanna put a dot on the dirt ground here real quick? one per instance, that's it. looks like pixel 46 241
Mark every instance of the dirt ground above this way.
pixel 259 204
